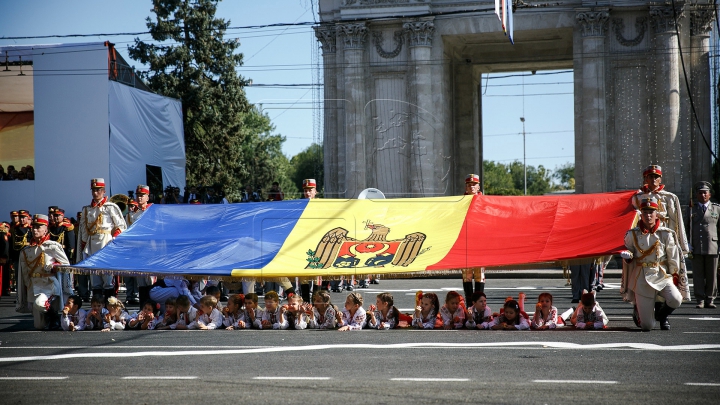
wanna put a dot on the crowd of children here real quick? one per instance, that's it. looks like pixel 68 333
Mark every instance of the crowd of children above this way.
pixel 243 312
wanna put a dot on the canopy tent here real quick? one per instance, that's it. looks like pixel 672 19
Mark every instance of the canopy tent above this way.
pixel 308 238
pixel 76 113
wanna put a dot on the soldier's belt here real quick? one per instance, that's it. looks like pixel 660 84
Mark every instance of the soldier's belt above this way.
pixel 100 231
pixel 38 275
pixel 653 264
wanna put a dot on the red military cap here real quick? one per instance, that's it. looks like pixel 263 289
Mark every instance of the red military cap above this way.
pixel 649 204
pixel 40 219
pixel 195 201
pixel 97 183
pixel 24 213
pixel 653 169
pixel 309 183
pixel 14 213
pixel 142 189
pixel 472 178
pixel 58 211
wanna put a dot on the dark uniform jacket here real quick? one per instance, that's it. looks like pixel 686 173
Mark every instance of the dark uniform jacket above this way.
pixel 65 235
pixel 704 237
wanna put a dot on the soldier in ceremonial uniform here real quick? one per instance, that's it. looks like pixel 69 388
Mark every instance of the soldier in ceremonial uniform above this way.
pixel 668 204
pixel 652 262
pixel 38 284
pixel 4 258
pixel 309 187
pixel 62 231
pixel 472 187
pixel 138 288
pixel 101 221
pixel 704 245
pixel 21 236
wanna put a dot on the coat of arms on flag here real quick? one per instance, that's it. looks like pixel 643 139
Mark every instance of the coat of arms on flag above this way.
pixel 336 249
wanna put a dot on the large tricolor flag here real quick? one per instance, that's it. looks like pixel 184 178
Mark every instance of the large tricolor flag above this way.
pixel 309 238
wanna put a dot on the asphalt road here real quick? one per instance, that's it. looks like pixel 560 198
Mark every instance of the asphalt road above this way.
pixel 620 364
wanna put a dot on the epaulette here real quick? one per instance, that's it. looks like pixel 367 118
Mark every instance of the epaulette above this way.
pixel 662 228
pixel 715 204
pixel 68 225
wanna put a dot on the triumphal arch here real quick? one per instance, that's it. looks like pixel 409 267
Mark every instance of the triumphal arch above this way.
pixel 402 106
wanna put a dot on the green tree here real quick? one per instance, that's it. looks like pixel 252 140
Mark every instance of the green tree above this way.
pixel 538 179
pixel 226 139
pixel 308 164
pixel 498 180
pixel 565 175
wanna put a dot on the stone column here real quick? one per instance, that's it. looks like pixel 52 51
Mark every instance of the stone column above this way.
pixel 422 133
pixel 354 36
pixel 701 22
pixel 326 37
pixel 593 27
pixel 667 95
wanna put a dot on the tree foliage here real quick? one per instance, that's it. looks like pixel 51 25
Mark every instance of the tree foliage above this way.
pixel 227 140
pixel 565 175
pixel 509 179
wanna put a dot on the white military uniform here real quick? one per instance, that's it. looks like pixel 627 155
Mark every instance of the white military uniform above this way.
pixel 37 280
pixel 656 257
pixel 97 225
pixel 668 212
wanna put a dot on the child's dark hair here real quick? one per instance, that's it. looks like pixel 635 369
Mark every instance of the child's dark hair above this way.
pixel 388 299
pixel 252 297
pixel 212 290
pixel 588 299
pixel 76 300
pixel 237 299
pixel 476 296
pixel 545 295
pixel 182 301
pixel 451 295
pixel 324 296
pixel 171 301
pixel 155 306
pixel 512 304
pixel 433 298
pixel 97 299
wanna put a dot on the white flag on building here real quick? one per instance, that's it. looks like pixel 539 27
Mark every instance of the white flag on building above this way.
pixel 497 9
pixel 510 23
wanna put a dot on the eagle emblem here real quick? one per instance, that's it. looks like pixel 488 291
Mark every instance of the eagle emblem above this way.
pixel 336 249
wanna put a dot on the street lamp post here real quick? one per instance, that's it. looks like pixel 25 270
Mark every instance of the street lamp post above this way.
pixel 522 119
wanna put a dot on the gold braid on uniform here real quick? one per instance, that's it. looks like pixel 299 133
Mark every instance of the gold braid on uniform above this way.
pixel 20 243
pixel 36 264
pixel 60 237
pixel 649 251
pixel 95 224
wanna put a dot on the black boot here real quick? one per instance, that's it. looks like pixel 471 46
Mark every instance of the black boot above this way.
pixel 305 292
pixel 658 307
pixel 468 288
pixel 664 312
pixel 479 287
pixel 97 292
pixel 636 316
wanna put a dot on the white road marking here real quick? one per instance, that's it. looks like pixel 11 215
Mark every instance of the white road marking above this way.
pixel 33 378
pixel 705 384
pixel 705 319
pixel 129 347
pixel 574 381
pixel 431 379
pixel 292 378
pixel 366 346
pixel 151 377
pixel 712 333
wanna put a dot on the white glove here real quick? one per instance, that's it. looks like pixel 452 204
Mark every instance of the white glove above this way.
pixel 626 254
